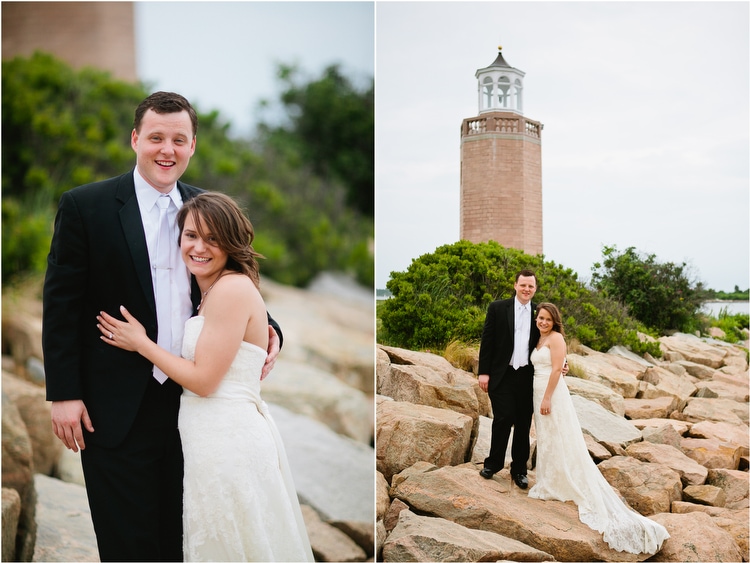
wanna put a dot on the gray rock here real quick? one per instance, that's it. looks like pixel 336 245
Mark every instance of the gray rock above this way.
pixel 333 474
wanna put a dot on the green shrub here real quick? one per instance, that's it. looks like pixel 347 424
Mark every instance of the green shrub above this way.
pixel 443 296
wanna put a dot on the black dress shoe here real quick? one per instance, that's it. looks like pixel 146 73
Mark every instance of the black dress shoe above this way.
pixel 521 481
pixel 487 473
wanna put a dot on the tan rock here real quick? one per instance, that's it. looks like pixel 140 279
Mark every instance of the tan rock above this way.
pixel 664 434
pixel 711 453
pixel 738 434
pixel 598 393
pixel 680 426
pixel 733 483
pixel 719 410
pixel 408 433
pixel 329 543
pixel 450 376
pixel 695 537
pixel 598 368
pixel 422 385
pixel 721 389
pixel 660 407
pixel 690 472
pixel 694 349
pixel 649 488
pixel 705 494
pixel 22 333
pixel 32 405
pixel 382 496
pixel 11 513
pixel 666 382
pixel 698 370
pixel 605 426
pixel 18 474
pixel 363 534
pixel 390 520
pixel 460 495
pixel 312 392
pixel 421 538
pixel 735 522
pixel 596 450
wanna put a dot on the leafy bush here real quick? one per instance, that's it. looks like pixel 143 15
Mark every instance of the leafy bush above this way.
pixel 660 295
pixel 444 296
pixel 732 325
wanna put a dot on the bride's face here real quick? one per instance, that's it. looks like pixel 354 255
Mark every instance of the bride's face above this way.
pixel 544 321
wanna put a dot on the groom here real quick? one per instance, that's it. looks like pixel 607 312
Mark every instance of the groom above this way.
pixel 106 401
pixel 506 373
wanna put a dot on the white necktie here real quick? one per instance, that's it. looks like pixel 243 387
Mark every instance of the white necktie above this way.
pixel 163 292
pixel 518 343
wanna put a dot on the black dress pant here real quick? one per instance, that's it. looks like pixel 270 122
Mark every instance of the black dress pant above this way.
pixel 135 489
pixel 512 407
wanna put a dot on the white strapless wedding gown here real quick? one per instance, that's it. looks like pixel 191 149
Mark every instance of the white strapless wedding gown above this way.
pixel 565 471
pixel 239 500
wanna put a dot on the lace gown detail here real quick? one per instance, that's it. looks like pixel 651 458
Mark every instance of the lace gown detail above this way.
pixel 565 471
pixel 239 500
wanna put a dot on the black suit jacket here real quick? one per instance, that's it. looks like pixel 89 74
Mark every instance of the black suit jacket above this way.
pixel 498 338
pixel 98 261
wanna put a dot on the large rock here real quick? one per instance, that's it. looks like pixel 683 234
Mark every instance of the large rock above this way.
pixel 329 543
pixel 460 495
pixel 659 407
pixel 420 538
pixel 693 349
pixel 733 483
pixel 444 386
pixel 66 532
pixel 705 494
pixel 408 433
pixel 17 468
pixel 712 453
pixel 690 472
pixel 734 522
pixel 649 488
pixel 695 537
pixel 35 411
pixel 309 391
pixel 597 393
pixel 332 331
pixel 718 388
pixel 599 368
pixel 719 410
pixel 603 425
pixel 333 474
pixel 737 434
pixel 666 382
pixel 11 514
pixel 664 434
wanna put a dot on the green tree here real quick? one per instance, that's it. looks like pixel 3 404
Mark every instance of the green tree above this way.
pixel 660 295
pixel 332 129
pixel 443 296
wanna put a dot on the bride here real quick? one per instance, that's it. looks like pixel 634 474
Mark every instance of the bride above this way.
pixel 564 469
pixel 239 499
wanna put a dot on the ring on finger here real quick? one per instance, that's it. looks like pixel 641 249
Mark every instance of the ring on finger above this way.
pixel 111 336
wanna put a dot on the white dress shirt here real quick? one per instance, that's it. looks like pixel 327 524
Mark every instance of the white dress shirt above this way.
pixel 521 334
pixel 181 306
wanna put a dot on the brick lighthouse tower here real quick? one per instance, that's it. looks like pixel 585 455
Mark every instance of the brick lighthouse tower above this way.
pixel 501 164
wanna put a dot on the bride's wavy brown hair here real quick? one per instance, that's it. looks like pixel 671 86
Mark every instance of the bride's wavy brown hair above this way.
pixel 554 312
pixel 231 230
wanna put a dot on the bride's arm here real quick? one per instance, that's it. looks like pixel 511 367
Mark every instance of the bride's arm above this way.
pixel 557 352
pixel 232 303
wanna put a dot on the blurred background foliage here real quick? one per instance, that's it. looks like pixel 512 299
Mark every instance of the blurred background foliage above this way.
pixel 306 184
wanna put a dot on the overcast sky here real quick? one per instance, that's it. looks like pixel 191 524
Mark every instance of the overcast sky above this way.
pixel 644 106
pixel 645 113
pixel 223 55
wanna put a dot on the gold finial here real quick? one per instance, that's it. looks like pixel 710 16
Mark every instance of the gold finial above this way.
pixel 499 47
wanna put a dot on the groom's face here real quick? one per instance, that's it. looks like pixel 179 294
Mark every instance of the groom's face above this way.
pixel 525 288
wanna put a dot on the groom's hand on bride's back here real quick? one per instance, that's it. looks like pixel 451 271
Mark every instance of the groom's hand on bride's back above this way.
pixel 274 347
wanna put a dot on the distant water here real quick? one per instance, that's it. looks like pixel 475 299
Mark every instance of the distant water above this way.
pixel 713 308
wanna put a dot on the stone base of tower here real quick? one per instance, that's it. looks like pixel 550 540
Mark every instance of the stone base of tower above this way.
pixel 501 181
